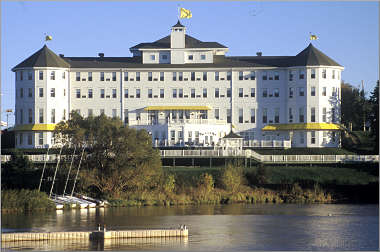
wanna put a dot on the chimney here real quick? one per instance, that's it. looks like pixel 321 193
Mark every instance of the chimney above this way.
pixel 101 55
pixel 259 54
pixel 61 55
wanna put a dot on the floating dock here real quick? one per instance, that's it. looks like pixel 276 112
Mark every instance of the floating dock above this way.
pixel 95 235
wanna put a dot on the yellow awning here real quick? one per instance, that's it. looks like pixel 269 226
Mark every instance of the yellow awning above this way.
pixel 35 127
pixel 155 108
pixel 302 126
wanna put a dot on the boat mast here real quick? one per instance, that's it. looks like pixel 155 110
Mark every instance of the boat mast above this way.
pixel 76 176
pixel 43 170
pixel 68 174
pixel 56 168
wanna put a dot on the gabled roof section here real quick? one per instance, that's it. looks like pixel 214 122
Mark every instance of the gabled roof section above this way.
pixel 43 58
pixel 232 135
pixel 311 56
pixel 178 24
pixel 190 42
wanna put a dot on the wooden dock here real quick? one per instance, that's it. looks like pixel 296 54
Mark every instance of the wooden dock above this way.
pixel 95 235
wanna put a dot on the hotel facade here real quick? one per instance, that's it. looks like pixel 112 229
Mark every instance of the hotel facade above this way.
pixel 185 92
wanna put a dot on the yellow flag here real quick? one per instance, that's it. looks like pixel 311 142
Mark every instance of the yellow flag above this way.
pixel 313 37
pixel 185 13
pixel 48 37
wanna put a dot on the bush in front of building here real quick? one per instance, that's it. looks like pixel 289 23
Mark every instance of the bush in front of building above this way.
pixel 25 200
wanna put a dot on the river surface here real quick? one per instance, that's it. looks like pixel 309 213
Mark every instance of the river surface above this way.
pixel 236 227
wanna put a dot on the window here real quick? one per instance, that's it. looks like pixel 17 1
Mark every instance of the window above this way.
pixel 338 75
pixel 253 92
pixel 333 74
pixel 41 115
pixel 312 139
pixel 265 92
pixel 89 76
pixel 21 92
pixel 77 76
pixel 276 115
pixel 150 93
pixel 228 115
pixel 241 92
pixel 30 75
pixel 30 115
pixel 164 57
pixel 216 76
pixel 114 113
pixel 180 76
pixel 90 93
pixel 192 93
pixel 64 114
pixel 53 116
pixel 312 91
pixel 52 75
pixel 78 111
pixel 190 57
pixel 64 92
pixel 291 92
pixel 113 76
pixel 41 92
pixel 21 75
pixel 174 93
pixel 21 116
pixel 126 93
pixel 205 93
pixel 180 93
pixel 138 116
pixel 162 93
pixel 174 76
pixel 90 112
pixel 324 137
pixel 312 73
pixel 193 76
pixel 137 76
pixel 241 119
pixel 30 92
pixel 324 114
pixel 241 76
pixel 253 116
pixel 253 76
pixel 216 92
pixel 301 91
pixel 52 92
pixel 265 75
pixel 102 111
pixel 150 77
pixel 161 76
pixel 333 91
pixel 30 139
pixel 189 136
pixel 102 93
pixel 229 75
pixel 276 75
pixel 125 76
pixel 290 115
pixel 41 138
pixel 333 115
pixel 265 115
pixel 114 93
pixel 229 92
pixel 323 91
pixel 152 57
pixel 203 56
pixel 172 135
pixel 196 137
pixel 138 93
pixel 101 76
pixel 63 75
pixel 301 115
pixel 216 114
pixel 126 118
pixel 290 75
pixel 78 93
pixel 205 76
pixel 324 73
pixel 333 137
pixel 41 75
pixel 312 114
pixel 276 92
pixel 301 74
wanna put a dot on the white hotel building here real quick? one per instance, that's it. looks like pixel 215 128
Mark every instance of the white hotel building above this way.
pixel 185 92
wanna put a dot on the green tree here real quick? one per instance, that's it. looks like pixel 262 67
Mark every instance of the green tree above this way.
pixel 117 158
pixel 374 115
pixel 232 177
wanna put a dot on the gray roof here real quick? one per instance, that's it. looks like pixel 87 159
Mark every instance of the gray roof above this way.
pixel 43 58
pixel 232 135
pixel 178 24
pixel 190 42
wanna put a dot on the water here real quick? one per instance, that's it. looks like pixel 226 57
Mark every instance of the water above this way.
pixel 212 228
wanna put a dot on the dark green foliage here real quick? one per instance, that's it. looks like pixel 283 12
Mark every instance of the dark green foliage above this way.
pixel 25 200
pixel 374 116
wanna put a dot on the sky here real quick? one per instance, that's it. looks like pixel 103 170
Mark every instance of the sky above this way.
pixel 348 32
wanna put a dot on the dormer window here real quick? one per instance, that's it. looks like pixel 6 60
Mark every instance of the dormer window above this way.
pixel 203 56
pixel 191 57
pixel 152 57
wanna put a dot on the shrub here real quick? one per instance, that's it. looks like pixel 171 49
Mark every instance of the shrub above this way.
pixel 232 177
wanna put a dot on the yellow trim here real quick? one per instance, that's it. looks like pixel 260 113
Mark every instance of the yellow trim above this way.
pixel 302 126
pixel 35 127
pixel 153 108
